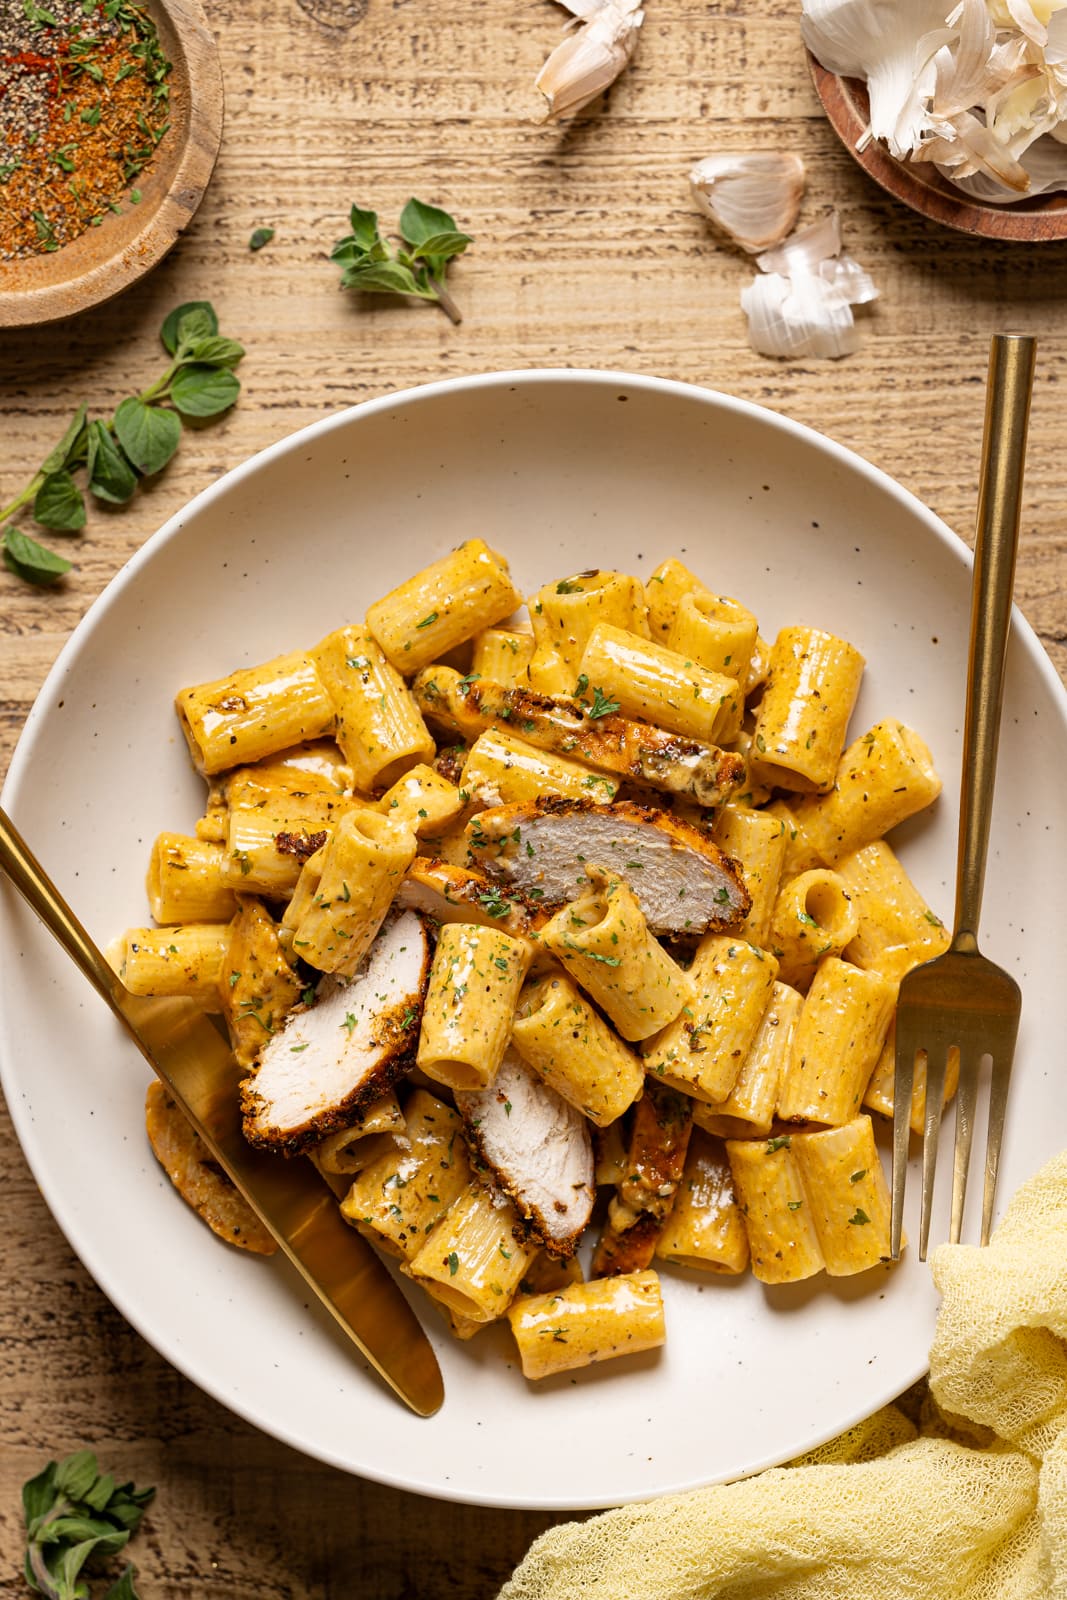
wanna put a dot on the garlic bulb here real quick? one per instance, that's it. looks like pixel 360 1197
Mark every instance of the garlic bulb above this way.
pixel 753 197
pixel 801 302
pixel 591 58
pixel 977 87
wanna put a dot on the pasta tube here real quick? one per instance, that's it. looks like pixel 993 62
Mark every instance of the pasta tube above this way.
pixel 474 983
pixel 362 867
pixel 254 712
pixel 502 770
pixel 702 1050
pixel 897 930
pixel 757 842
pixel 442 606
pixel 884 776
pixel 501 655
pixel 379 726
pixel 257 986
pixel 812 684
pixel 840 1033
pixel 564 614
pixel 705 1230
pixel 557 1032
pixel 664 591
pixel 379 1130
pixel 176 961
pixel 399 1198
pixel 717 632
pixel 274 821
pixel 814 916
pixel 800 853
pixel 846 1194
pixel 187 881
pixel 587 1322
pixel 646 680
pixel 602 939
pixel 423 801
pixel 472 1261
pixel 750 1106
pixel 778 1220
pixel 879 1096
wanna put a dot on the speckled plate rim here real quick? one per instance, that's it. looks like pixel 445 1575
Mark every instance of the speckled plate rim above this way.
pixel 383 1419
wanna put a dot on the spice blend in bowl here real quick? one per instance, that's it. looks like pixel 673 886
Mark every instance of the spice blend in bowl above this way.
pixel 160 163
pixel 83 104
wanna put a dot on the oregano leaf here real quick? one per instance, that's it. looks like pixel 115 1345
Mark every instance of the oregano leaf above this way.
pixel 170 334
pixel 148 434
pixel 202 391
pixel 59 504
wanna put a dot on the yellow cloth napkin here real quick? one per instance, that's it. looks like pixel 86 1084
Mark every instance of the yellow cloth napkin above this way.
pixel 959 1491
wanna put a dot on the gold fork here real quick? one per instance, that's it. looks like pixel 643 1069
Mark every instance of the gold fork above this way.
pixel 961 999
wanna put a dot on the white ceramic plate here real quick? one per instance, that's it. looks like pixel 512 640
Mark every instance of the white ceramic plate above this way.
pixel 563 471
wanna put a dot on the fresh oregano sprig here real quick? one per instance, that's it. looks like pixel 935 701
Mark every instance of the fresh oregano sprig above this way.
pixel 77 1518
pixel 140 439
pixel 416 265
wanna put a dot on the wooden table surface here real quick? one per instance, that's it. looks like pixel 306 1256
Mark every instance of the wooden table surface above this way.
pixel 589 253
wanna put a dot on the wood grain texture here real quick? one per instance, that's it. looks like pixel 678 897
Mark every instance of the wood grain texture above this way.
pixel 588 252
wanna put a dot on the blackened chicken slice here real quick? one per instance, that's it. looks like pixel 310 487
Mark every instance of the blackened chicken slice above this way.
pixel 537 1149
pixel 347 1049
pixel 685 884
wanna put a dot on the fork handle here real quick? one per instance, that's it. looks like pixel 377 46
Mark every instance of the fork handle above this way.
pixel 22 867
pixel 1011 376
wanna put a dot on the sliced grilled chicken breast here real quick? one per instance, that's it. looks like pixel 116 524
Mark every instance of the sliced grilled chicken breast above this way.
pixel 350 1047
pixel 607 741
pixel 684 882
pixel 537 1148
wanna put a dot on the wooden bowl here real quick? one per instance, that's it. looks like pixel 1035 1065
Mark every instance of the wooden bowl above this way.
pixel 922 187
pixel 103 261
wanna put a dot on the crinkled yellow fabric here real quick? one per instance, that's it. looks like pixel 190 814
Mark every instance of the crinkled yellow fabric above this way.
pixel 955 1493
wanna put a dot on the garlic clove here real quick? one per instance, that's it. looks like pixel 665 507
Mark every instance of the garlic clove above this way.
pixel 792 320
pixel 590 59
pixel 877 40
pixel 846 275
pixel 803 250
pixel 753 196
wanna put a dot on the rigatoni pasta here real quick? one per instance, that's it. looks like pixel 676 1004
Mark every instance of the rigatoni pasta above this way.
pixel 393 880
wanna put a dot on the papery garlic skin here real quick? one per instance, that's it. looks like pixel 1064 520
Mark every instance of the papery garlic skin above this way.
pixel 754 197
pixel 801 302
pixel 589 60
pixel 972 87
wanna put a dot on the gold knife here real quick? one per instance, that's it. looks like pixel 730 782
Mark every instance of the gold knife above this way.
pixel 195 1062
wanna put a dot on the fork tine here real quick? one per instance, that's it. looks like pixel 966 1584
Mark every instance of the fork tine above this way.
pixel 998 1099
pixel 936 1061
pixel 903 1084
pixel 966 1101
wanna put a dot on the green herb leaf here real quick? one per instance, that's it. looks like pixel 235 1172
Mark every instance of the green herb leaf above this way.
pixel 62 454
pixel 215 351
pixel 58 504
pixel 602 706
pixel 201 391
pixel 364 228
pixel 382 277
pixel 195 326
pixel 111 477
pixel 31 561
pixel 123 1588
pixel 420 222
pixel 860 1218
pixel 148 434
pixel 260 237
